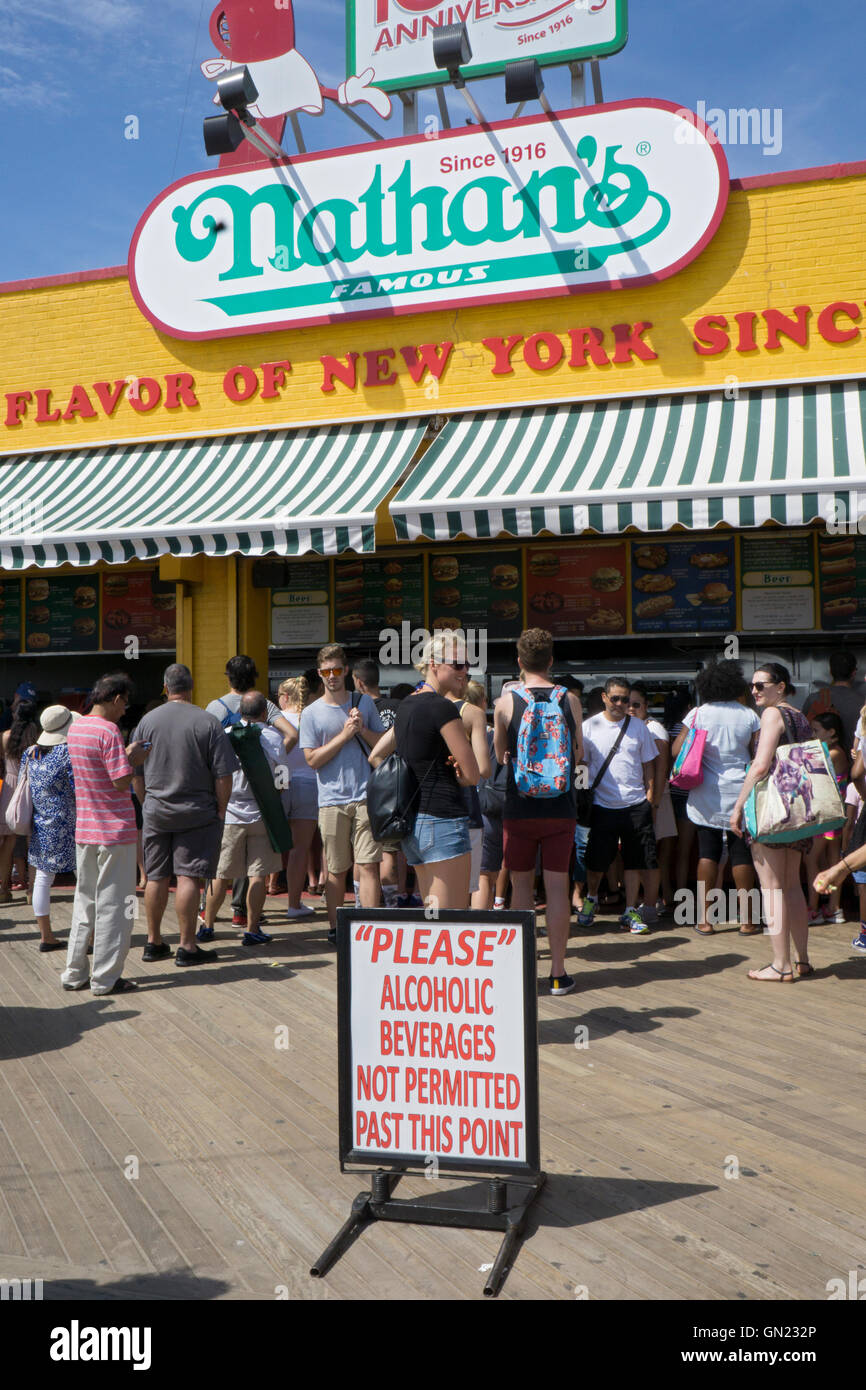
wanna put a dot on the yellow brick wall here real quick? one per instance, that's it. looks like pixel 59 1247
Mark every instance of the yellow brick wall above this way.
pixel 254 619
pixel 777 246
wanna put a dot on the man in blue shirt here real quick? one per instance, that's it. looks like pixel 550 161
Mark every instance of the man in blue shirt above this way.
pixel 337 732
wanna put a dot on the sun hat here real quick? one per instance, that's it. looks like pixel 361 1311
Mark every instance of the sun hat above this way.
pixel 55 721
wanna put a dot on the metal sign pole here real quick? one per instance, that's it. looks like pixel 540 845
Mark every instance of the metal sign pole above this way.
pixel 410 112
pixel 578 84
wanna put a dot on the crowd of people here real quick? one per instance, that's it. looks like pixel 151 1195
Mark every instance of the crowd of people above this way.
pixel 557 796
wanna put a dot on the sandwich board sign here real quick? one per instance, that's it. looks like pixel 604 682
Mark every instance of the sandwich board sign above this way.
pixel 438 1048
pixel 395 37
pixel 604 197
pixel 437 1035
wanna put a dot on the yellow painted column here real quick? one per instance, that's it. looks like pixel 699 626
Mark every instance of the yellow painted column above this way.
pixel 254 619
pixel 208 618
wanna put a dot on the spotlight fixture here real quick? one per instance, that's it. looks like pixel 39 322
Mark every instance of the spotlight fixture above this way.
pixel 223 134
pixel 236 89
pixel 451 50
pixel 524 82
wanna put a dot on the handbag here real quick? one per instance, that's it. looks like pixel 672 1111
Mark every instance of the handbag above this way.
pixel 392 793
pixel 798 798
pixel 585 794
pixel 688 768
pixel 19 812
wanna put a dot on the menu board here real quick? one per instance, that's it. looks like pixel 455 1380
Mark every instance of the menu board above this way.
pixel 683 586
pixel 477 590
pixel 374 594
pixel 578 590
pixel 300 613
pixel 778 582
pixel 10 615
pixel 138 604
pixel 61 614
pixel 842 571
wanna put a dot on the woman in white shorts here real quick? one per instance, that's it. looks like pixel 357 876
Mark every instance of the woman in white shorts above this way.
pixel 300 800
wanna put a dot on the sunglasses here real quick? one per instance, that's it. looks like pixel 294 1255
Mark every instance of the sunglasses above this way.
pixel 618 699
pixel 331 670
pixel 457 665
pixel 762 685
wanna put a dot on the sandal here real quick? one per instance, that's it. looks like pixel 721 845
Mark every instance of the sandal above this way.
pixel 120 987
pixel 804 969
pixel 768 979
pixel 705 931
pixel 751 931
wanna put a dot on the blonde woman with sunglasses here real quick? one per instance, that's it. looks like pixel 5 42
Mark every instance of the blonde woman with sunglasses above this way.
pixel 429 734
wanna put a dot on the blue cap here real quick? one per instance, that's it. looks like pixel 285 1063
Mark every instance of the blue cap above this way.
pixel 27 690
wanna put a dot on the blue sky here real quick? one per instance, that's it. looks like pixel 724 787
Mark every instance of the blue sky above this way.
pixel 74 70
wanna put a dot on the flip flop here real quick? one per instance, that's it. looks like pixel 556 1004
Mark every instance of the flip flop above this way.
pixel 768 979
pixel 705 931
pixel 119 987
pixel 751 931
pixel 804 969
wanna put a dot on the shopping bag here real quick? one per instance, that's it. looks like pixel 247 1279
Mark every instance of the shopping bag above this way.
pixel 688 769
pixel 798 798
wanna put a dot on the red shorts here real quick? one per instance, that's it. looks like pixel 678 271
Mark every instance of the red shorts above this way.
pixel 523 838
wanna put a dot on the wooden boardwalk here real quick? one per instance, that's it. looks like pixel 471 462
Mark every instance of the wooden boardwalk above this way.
pixel 706 1143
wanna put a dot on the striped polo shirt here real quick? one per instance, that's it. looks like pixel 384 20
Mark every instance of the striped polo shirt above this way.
pixel 104 815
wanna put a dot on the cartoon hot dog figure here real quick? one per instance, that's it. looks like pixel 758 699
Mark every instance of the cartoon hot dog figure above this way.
pixel 260 35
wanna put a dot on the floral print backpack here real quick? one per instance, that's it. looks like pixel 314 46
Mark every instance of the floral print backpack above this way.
pixel 542 767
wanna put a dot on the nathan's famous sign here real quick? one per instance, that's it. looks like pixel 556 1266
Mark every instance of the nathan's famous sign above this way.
pixel 395 37
pixel 601 198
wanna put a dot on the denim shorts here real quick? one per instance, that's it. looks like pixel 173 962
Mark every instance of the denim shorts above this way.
pixel 301 799
pixel 859 875
pixel 434 838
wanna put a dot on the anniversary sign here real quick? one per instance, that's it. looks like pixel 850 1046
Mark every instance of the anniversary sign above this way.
pixel 548 205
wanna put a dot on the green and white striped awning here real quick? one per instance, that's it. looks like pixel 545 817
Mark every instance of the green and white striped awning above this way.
pixel 282 492
pixel 782 454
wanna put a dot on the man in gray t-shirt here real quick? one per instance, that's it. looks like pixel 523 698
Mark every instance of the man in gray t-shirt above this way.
pixel 336 734
pixel 183 795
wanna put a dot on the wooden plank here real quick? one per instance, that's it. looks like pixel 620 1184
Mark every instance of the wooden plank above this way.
pixel 22 1121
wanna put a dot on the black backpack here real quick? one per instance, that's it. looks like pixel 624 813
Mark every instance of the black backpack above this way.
pixel 392 791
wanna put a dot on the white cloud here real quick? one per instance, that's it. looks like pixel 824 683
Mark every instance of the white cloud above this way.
pixel 32 93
